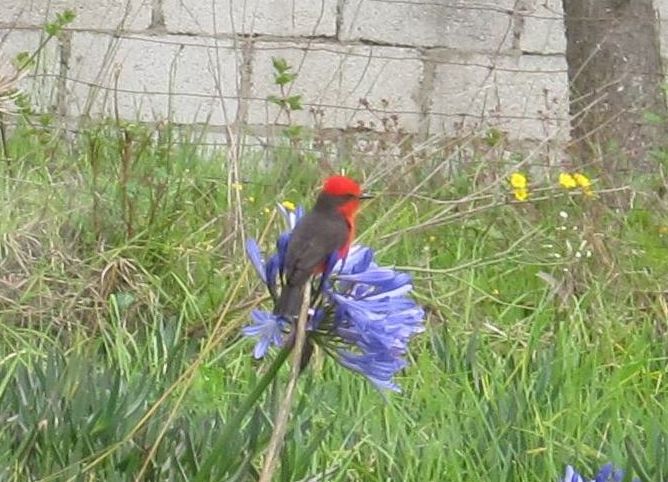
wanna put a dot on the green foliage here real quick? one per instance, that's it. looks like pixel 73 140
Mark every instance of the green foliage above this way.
pixel 292 102
pixel 284 78
pixel 23 60
pixel 63 19
pixel 282 74
pixel 493 137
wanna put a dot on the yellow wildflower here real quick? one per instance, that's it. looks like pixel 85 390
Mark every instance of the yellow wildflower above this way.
pixel 582 180
pixel 267 210
pixel 432 239
pixel 568 181
pixel 251 199
pixel 237 186
pixel 584 183
pixel 520 186
pixel 289 205
pixel 518 180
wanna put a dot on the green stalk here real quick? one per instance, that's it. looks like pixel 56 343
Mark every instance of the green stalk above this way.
pixel 232 427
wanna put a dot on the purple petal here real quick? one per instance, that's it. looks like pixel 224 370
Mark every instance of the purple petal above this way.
pixel 572 476
pixel 604 474
pixel 390 334
pixel 378 368
pixel 396 292
pixel 374 305
pixel 255 257
pixel 291 217
pixel 284 212
pixel 267 328
pixel 608 473
pixel 372 276
pixel 272 270
pixel 359 258
pixel 401 279
pixel 282 249
pixel 330 265
pixel 299 212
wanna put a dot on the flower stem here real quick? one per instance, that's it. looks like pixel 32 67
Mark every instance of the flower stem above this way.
pixel 281 422
pixel 231 428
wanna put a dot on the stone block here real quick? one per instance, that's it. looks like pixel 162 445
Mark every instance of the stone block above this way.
pixel 337 81
pixel 268 17
pixel 543 28
pixel 448 23
pixel 182 79
pixel 525 96
pixel 96 15
pixel 661 7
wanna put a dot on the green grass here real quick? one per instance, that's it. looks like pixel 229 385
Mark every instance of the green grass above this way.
pixel 123 285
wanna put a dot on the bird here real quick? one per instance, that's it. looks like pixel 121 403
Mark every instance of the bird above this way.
pixel 328 228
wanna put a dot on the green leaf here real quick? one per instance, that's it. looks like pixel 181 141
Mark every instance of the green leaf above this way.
pixel 280 64
pixel 52 29
pixel 66 17
pixel 22 60
pixel 293 132
pixel 294 102
pixel 274 99
pixel 284 78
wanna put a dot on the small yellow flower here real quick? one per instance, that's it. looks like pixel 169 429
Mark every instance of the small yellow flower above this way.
pixel 289 205
pixel 521 194
pixel 432 239
pixel 251 199
pixel 584 182
pixel 267 210
pixel 518 180
pixel 567 181
pixel 237 186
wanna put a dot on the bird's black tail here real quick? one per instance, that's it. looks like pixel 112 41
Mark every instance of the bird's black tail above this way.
pixel 288 306
pixel 290 302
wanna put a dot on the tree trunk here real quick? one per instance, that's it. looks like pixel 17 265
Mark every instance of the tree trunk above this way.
pixel 615 72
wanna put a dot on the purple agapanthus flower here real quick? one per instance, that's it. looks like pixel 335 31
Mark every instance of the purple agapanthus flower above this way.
pixel 608 473
pixel 363 315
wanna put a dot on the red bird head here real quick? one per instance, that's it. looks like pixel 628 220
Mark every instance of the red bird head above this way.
pixel 343 194
pixel 341 186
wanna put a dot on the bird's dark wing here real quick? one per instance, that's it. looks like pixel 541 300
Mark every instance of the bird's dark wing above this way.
pixel 314 238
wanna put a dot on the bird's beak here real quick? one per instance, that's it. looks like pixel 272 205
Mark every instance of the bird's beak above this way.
pixel 366 196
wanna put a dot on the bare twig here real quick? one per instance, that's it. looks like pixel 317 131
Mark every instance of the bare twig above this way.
pixel 281 422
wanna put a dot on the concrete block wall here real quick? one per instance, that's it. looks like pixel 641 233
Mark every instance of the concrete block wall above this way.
pixel 661 8
pixel 436 66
